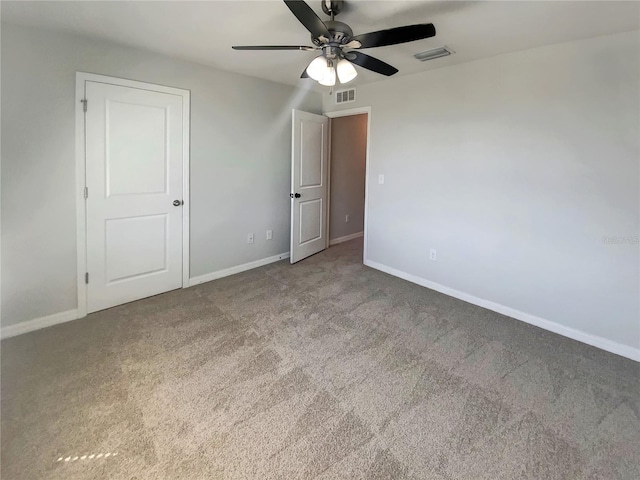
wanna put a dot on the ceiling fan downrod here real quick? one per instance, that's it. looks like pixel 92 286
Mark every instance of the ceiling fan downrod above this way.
pixel 332 7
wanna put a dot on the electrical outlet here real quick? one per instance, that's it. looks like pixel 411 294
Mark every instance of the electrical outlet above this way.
pixel 269 234
pixel 346 219
pixel 250 238
pixel 432 254
pixel 380 179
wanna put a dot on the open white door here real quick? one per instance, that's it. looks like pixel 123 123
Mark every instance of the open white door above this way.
pixel 309 157
pixel 134 196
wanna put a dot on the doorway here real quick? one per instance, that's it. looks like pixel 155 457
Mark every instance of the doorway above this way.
pixel 133 177
pixel 362 127
pixel 348 157
pixel 312 212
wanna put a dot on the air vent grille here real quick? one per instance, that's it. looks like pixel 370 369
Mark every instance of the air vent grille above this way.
pixel 346 96
pixel 435 53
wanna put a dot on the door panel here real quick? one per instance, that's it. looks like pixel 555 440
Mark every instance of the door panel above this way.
pixel 136 136
pixel 311 164
pixel 309 156
pixel 135 247
pixel 134 165
pixel 310 220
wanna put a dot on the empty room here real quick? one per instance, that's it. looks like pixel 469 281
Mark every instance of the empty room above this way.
pixel 320 240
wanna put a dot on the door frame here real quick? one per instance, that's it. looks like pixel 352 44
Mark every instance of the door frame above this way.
pixel 348 113
pixel 80 157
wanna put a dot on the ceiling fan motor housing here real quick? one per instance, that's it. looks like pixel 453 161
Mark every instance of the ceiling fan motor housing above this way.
pixel 340 32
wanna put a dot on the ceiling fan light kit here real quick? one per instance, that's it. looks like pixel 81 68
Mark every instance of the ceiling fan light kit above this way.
pixel 329 78
pixel 339 46
pixel 323 70
pixel 346 71
pixel 318 68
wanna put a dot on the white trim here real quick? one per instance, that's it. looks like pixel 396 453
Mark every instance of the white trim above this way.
pixel 186 182
pixel 38 323
pixel 346 238
pixel 69 315
pixel 593 340
pixel 125 82
pixel 328 242
pixel 237 269
pixel 81 220
pixel 347 113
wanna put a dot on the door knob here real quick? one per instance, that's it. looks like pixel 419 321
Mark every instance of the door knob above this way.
pixel 177 203
pixel 296 195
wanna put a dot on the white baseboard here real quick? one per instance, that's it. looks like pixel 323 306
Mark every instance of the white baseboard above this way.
pixel 593 340
pixel 38 323
pixel 237 269
pixel 62 317
pixel 346 238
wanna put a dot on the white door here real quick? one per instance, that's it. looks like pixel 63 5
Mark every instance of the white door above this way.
pixel 134 164
pixel 309 156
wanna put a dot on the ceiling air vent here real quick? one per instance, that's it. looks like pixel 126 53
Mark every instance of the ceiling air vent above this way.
pixel 435 53
pixel 346 96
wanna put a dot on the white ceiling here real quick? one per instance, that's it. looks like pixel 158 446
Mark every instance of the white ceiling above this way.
pixel 204 32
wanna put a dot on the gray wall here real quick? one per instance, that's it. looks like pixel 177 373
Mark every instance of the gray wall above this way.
pixel 515 169
pixel 348 162
pixel 240 162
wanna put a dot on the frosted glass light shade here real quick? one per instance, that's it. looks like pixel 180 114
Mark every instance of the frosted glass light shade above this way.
pixel 329 80
pixel 346 71
pixel 317 69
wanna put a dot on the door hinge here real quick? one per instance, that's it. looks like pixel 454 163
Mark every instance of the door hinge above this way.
pixel 86 192
pixel 84 104
pixel 86 278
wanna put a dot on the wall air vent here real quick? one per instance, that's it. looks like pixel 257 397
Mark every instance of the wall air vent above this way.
pixel 434 53
pixel 346 96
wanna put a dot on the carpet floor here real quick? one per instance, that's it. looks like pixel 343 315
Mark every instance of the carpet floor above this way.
pixel 325 369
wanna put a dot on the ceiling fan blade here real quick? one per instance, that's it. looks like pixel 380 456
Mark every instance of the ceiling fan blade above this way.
pixel 308 18
pixel 370 63
pixel 393 36
pixel 272 47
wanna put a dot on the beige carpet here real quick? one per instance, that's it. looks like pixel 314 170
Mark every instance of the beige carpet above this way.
pixel 326 369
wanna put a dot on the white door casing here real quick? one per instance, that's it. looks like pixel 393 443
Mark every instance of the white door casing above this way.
pixel 309 165
pixel 134 141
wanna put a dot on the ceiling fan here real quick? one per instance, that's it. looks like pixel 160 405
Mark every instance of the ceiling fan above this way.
pixel 339 46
